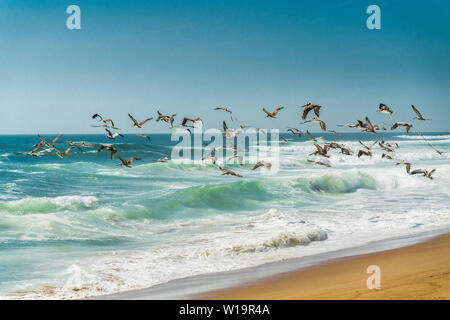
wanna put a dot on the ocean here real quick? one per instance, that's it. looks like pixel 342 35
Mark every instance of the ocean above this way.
pixel 83 226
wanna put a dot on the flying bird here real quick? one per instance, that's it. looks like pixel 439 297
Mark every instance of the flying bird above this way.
pixel 227 172
pixel 226 110
pixel 385 109
pixel 295 131
pixel 63 154
pixel 163 160
pixel 111 135
pixel 364 153
pixel 268 165
pixel 419 115
pixel 137 124
pixel 308 107
pixel 404 124
pixel 312 137
pixel 273 114
pixel 166 118
pixel 319 163
pixel 105 121
pixel 127 164
pixel 321 151
pixel 323 126
pixel 112 150
pixel 368 147
pixel 368 126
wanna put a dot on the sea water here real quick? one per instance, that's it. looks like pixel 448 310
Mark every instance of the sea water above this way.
pixel 83 226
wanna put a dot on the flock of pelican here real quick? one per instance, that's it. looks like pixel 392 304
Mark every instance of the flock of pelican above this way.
pixel 366 150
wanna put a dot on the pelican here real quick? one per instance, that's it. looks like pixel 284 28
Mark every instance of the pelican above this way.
pixel 108 148
pixel 359 125
pixel 370 146
pixel 268 165
pixel 368 127
pixel 323 126
pixel 138 124
pixel 308 107
pixel 384 155
pixel 378 127
pixel 334 145
pixel 51 143
pixel 226 110
pixel 283 138
pixel 163 160
pixel 385 109
pixel 404 124
pixel 112 136
pixel 294 131
pixel 144 136
pixel 76 145
pixel 419 115
pixel 312 138
pixel 105 126
pixel 346 151
pixel 63 154
pixel 424 172
pixel 186 120
pixel 273 114
pixel 319 163
pixel 166 118
pixel 127 164
pixel 385 147
pixel 321 151
pixel 105 121
pixel 364 153
pixel 391 145
pixel 227 172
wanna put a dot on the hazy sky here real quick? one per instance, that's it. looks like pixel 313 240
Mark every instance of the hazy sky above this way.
pixel 186 57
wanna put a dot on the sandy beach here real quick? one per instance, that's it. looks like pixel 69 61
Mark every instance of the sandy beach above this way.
pixel 420 271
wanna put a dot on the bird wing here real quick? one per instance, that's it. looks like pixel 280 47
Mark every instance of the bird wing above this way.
pixel 133 119
pixel 309 134
pixel 416 111
pixel 319 148
pixel 268 113
pixel 277 110
pixel 225 127
pixel 395 126
pixel 54 140
pixel 97 115
pixel 306 111
pixel 259 164
pixel 143 122
pixel 133 160
pixel 316 109
pixel 323 125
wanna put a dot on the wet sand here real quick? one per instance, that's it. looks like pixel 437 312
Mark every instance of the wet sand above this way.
pixel 420 271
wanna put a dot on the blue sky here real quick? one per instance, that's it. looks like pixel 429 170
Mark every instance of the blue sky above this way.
pixel 186 57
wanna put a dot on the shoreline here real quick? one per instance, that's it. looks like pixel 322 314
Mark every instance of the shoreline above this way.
pixel 219 285
pixel 416 272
